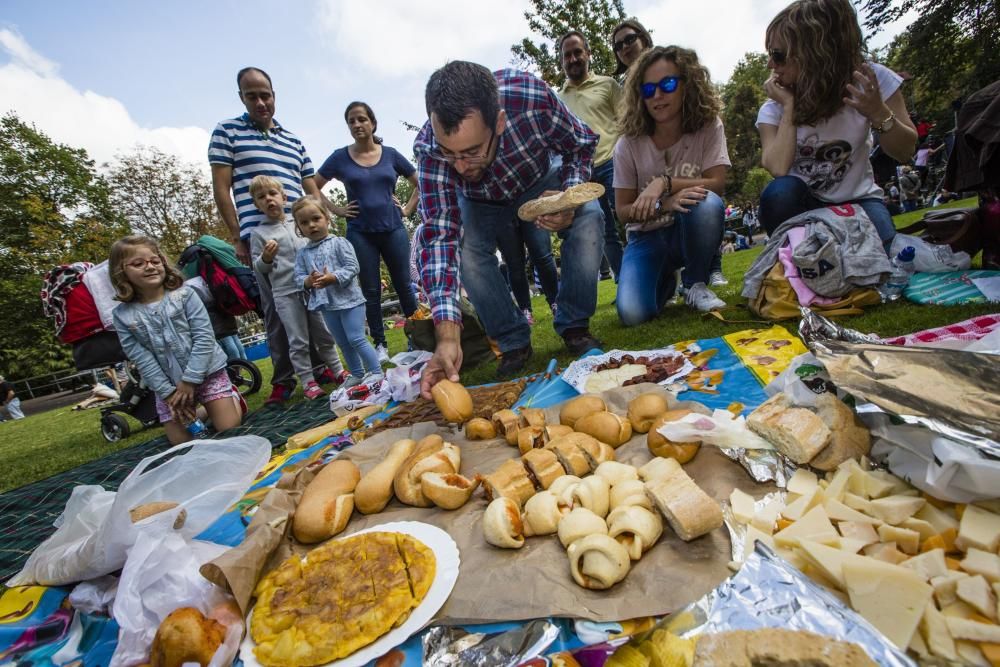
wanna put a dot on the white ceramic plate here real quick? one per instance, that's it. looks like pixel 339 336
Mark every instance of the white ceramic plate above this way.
pixel 448 561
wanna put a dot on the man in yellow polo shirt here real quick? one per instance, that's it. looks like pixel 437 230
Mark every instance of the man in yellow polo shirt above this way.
pixel 594 99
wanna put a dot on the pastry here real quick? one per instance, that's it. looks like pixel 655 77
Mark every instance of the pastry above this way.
pixel 597 561
pixel 327 503
pixel 798 433
pixel 580 406
pixel 542 513
pixel 635 528
pixel 615 472
pixel 185 635
pixel 542 466
pixel 690 511
pixel 607 427
pixel 660 445
pixel 502 524
pixel 506 424
pixel 644 409
pixel 629 492
pixel 563 487
pixel 375 488
pixel 447 490
pixel 453 400
pixel 658 468
pixel 478 428
pixel 579 522
pixel 510 480
pixel 593 493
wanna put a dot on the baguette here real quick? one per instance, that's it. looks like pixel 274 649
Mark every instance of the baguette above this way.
pixel 375 489
pixel 327 502
pixel 510 480
pixel 543 466
pixel 406 482
pixel 690 511
pixel 849 438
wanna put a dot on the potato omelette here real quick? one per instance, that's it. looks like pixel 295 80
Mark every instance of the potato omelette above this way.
pixel 342 596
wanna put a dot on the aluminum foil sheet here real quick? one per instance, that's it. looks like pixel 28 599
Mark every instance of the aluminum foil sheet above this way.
pixel 764 465
pixel 814 327
pixel 455 646
pixel 737 530
pixel 768 592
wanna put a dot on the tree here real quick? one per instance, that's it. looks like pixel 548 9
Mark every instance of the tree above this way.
pixel 554 18
pixel 54 209
pixel 163 198
pixel 742 97
pixel 754 183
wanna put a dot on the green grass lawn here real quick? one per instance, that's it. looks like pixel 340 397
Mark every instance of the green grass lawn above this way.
pixel 44 444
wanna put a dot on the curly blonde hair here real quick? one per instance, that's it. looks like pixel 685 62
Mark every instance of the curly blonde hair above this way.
pixel 824 39
pixel 701 103
pixel 121 250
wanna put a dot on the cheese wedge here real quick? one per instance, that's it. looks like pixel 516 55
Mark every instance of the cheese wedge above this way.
pixel 977 561
pixel 963 628
pixel 754 536
pixel 855 530
pixel 886 552
pixel 838 511
pixel 814 526
pixel 798 507
pixel 793 556
pixel 829 561
pixel 803 482
pixel 896 509
pixel 856 483
pixel 891 598
pixel 978 529
pixel 879 484
pixel 929 564
pixel 837 486
pixel 919 646
pixel 858 503
pixel 907 541
pixel 851 546
pixel 977 593
pixel 937 637
pixel 742 504
pixel 765 518
pixel 970 654
pixel 944 588
pixel 940 519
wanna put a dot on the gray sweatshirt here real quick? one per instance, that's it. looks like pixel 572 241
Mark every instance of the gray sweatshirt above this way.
pixel 280 272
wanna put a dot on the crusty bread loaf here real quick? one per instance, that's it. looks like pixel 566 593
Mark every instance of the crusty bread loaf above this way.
pixel 690 511
pixel 543 465
pixel 776 646
pixel 375 489
pixel 327 502
pixel 428 456
pixel 849 438
pixel 510 480
pixel 570 456
pixel 447 490
pixel 795 432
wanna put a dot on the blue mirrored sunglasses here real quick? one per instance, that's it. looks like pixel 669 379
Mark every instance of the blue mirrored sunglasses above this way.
pixel 667 84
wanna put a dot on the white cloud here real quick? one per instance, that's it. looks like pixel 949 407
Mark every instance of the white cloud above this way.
pixel 31 87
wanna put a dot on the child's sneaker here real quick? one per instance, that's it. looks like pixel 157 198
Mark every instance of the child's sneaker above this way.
pixel 312 391
pixel 279 394
pixel 352 381
pixel 372 378
pixel 343 376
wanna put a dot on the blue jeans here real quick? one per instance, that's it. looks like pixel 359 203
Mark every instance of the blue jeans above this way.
pixel 582 247
pixel 232 346
pixel 651 258
pixel 394 248
pixel 604 174
pixel 348 328
pixel 511 239
pixel 787 196
pixel 12 408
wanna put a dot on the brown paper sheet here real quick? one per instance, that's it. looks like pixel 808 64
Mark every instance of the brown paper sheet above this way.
pixel 534 581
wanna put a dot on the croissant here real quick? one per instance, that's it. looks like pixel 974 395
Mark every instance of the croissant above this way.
pixel 635 528
pixel 542 513
pixel 629 492
pixel 598 561
pixel 563 487
pixel 616 472
pixel 579 523
pixel 502 524
pixel 593 493
pixel 658 468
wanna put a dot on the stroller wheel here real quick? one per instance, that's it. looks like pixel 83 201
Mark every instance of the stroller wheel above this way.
pixel 244 375
pixel 114 427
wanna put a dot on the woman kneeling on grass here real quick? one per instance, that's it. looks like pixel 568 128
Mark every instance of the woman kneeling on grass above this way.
pixel 670 168
pixel 825 99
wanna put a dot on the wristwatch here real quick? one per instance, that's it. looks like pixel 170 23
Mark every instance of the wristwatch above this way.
pixel 887 124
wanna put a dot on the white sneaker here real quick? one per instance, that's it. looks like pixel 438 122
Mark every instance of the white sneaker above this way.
pixel 372 378
pixel 717 279
pixel 703 299
pixel 383 353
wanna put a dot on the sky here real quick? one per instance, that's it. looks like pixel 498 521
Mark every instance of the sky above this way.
pixel 111 74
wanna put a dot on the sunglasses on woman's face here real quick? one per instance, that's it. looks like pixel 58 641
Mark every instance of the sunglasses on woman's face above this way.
pixel 628 40
pixel 778 56
pixel 667 84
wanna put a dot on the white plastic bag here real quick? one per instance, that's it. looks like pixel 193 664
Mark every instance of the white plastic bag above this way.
pixel 95 531
pixel 930 258
pixel 345 400
pixel 160 576
pixel 404 379
pixel 722 429
pixel 803 380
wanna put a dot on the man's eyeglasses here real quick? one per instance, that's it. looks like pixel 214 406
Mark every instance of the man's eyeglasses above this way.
pixel 778 56
pixel 465 156
pixel 140 264
pixel 628 40
pixel 667 84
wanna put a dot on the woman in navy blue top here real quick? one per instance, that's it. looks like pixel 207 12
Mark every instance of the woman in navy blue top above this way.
pixel 369 172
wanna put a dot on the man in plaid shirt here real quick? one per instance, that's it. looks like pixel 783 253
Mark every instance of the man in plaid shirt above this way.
pixel 494 141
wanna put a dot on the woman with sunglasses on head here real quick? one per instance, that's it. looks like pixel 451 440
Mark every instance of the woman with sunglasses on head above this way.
pixel 670 169
pixel 628 40
pixel 825 99
pixel 369 171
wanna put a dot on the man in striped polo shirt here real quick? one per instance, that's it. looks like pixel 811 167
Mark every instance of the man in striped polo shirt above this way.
pixel 244 147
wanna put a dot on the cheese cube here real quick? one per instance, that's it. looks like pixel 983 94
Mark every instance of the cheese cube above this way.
pixel 798 507
pixel 754 536
pixel 938 518
pixel 855 530
pixel 802 482
pixel 837 486
pixel 763 520
pixel 978 529
pixel 937 637
pixel 976 592
pixel 891 598
pixel 742 504
pixel 925 529
pixel 944 588
pixel 908 541
pixel 963 628
pixel 838 511
pixel 896 509
pixel 977 561
pixel 815 526
pixel 886 552
pixel 929 565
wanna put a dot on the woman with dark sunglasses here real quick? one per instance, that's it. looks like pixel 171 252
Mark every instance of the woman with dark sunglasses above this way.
pixel 369 172
pixel 825 99
pixel 628 40
pixel 670 169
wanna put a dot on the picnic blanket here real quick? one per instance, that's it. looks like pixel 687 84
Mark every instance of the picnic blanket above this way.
pixel 38 626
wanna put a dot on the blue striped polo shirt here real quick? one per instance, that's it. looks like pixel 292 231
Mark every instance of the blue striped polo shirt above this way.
pixel 238 143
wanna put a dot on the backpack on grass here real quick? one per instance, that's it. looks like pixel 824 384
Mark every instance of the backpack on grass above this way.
pixel 776 299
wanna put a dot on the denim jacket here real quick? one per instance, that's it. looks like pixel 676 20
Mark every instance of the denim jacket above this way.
pixel 179 326
pixel 337 255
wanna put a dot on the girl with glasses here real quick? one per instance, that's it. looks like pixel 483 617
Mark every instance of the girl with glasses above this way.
pixel 670 169
pixel 825 99
pixel 628 40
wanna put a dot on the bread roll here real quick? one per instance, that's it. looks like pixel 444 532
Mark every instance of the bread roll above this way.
pixel 580 406
pixel 530 437
pixel 615 472
pixel 327 502
pixel 553 431
pixel 578 523
pixel 543 466
pixel 184 636
pixel 607 427
pixel 795 432
pixel 375 489
pixel 635 528
pixel 502 526
pixel 595 451
pixel 478 428
pixel 629 492
pixel 849 438
pixel 542 513
pixel 658 468
pixel 146 510
pixel 660 445
pixel 506 424
pixel 510 480
pixel 532 417
pixel 605 452
pixel 447 490
pixel 690 511
pixel 453 400
pixel 597 561
pixel 570 456
pixel 593 493
pixel 406 483
pixel 644 409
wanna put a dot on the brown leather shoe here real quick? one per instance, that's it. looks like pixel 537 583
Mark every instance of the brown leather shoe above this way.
pixel 513 362
pixel 580 340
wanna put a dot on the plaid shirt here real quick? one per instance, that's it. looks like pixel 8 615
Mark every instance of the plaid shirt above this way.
pixel 538 125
